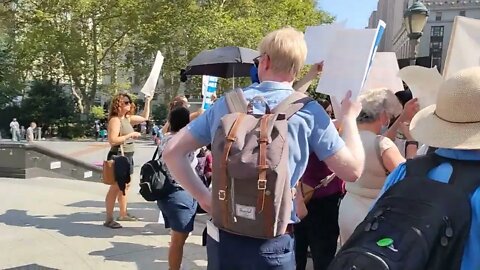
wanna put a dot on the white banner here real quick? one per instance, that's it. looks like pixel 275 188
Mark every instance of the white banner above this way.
pixel 149 87
pixel 423 82
pixel 320 40
pixel 384 73
pixel 464 48
pixel 349 61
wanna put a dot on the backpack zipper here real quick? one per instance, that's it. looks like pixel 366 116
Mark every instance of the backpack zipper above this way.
pixel 376 257
pixel 232 199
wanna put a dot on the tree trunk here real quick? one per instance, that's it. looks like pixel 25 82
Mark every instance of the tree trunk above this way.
pixel 93 90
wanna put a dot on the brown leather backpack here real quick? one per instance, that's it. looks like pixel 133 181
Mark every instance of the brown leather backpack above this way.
pixel 251 188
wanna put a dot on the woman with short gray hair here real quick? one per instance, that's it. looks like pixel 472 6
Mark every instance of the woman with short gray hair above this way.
pixel 379 106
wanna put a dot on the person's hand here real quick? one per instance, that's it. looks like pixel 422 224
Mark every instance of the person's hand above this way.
pixel 206 203
pixel 411 108
pixel 148 98
pixel 349 108
pixel 135 135
pixel 315 70
pixel 405 130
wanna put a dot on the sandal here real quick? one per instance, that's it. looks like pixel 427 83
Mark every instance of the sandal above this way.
pixel 127 218
pixel 112 224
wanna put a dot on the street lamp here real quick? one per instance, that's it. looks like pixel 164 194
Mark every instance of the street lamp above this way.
pixel 415 18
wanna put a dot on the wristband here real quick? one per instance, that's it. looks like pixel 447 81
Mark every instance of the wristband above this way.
pixel 411 143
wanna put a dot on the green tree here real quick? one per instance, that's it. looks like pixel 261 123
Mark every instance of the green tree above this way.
pixel 97 112
pixel 77 41
pixel 10 81
pixel 82 41
pixel 47 103
pixel 160 113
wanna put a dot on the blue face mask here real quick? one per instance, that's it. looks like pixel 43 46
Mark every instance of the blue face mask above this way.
pixel 384 128
pixel 254 75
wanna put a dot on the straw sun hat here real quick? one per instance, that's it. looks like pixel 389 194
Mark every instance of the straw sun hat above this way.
pixel 454 122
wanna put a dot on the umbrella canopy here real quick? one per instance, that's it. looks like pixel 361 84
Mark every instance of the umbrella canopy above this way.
pixel 226 62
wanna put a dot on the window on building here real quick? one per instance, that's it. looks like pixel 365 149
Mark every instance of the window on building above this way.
pixel 437 61
pixel 436 45
pixel 436 31
pixel 438 16
pixel 463 13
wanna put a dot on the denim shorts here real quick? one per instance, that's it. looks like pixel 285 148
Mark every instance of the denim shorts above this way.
pixel 178 210
pixel 236 252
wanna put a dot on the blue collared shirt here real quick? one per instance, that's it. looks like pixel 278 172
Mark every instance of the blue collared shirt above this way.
pixel 309 130
pixel 442 173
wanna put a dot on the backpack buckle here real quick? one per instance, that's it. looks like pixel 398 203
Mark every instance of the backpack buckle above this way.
pixel 262 184
pixel 222 195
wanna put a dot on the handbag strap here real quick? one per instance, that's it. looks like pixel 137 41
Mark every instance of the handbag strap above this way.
pixel 121 150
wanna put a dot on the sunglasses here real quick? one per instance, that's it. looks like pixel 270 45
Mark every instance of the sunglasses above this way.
pixel 256 60
pixel 127 102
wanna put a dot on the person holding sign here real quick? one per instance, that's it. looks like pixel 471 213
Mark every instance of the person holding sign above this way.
pixel 282 55
pixel 121 119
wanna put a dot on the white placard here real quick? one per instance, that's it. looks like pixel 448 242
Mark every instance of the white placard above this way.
pixel 464 48
pixel 423 82
pixel 149 87
pixel 55 165
pixel 87 174
pixel 319 41
pixel 349 61
pixel 384 73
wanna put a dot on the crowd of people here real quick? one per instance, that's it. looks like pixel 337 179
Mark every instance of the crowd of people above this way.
pixel 19 133
pixel 338 180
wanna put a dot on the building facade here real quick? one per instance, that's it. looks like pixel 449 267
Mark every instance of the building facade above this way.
pixel 391 12
pixel 437 31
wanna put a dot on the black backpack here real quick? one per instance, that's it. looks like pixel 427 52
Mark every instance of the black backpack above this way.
pixel 154 181
pixel 417 224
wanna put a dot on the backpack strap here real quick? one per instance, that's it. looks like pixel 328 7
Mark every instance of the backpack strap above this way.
pixel 236 102
pixel 264 203
pixel 420 166
pixel 223 179
pixel 155 154
pixel 465 174
pixel 292 104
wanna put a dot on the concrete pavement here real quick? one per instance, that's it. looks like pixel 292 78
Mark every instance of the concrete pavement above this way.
pixel 57 223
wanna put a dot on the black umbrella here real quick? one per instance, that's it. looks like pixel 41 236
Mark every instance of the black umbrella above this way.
pixel 226 62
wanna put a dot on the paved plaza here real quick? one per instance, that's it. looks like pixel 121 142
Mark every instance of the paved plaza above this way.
pixel 57 223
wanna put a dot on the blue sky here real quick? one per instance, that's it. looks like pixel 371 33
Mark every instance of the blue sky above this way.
pixel 356 12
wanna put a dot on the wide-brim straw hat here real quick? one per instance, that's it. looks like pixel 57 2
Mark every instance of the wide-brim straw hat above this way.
pixel 454 122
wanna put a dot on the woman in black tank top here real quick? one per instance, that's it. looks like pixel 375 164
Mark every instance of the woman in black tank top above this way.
pixel 121 119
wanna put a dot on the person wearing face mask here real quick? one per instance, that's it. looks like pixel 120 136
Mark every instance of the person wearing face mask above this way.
pixel 378 107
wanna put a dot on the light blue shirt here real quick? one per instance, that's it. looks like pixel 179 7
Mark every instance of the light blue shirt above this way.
pixel 442 173
pixel 309 130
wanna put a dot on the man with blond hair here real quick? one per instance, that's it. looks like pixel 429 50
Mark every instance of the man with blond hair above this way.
pixel 282 55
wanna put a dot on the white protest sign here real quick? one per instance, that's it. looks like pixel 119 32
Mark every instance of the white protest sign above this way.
pixel 209 88
pixel 349 60
pixel 423 82
pixel 384 73
pixel 319 41
pixel 149 87
pixel 464 49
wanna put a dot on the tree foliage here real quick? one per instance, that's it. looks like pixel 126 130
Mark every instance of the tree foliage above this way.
pixel 88 43
pixel 47 103
pixel 10 81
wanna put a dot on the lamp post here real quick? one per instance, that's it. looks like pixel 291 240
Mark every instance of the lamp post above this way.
pixel 415 19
